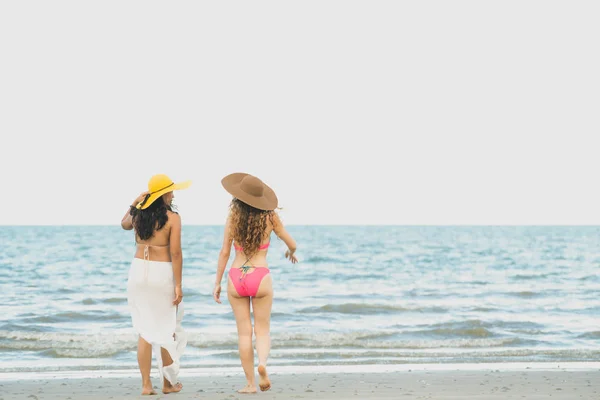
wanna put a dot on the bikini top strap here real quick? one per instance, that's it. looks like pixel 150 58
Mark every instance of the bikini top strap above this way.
pixel 152 245
pixel 147 249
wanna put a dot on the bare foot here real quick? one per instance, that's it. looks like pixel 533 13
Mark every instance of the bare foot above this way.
pixel 148 391
pixel 248 389
pixel 264 383
pixel 168 388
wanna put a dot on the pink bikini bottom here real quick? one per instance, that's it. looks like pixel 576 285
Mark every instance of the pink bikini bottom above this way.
pixel 247 283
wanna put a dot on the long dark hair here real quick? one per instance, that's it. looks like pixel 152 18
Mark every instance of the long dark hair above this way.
pixel 248 225
pixel 152 218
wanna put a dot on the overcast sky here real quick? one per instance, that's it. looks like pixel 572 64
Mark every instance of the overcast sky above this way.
pixel 370 112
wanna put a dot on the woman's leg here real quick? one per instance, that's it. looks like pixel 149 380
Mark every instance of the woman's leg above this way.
pixel 241 311
pixel 261 306
pixel 144 355
pixel 167 360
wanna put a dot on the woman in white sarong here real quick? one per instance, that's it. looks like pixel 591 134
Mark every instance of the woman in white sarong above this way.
pixel 154 291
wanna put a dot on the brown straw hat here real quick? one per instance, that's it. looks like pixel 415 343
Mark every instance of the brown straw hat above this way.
pixel 250 190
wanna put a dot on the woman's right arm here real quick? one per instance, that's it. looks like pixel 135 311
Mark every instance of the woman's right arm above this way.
pixel 127 220
pixel 223 259
pixel 284 235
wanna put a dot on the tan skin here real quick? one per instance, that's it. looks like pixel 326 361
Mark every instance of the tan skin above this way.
pixel 168 235
pixel 261 303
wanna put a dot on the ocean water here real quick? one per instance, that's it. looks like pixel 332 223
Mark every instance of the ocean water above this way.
pixel 359 296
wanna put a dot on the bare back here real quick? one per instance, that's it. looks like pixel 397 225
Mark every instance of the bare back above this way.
pixel 158 245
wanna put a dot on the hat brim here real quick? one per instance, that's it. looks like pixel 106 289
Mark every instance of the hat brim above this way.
pixel 267 202
pixel 154 196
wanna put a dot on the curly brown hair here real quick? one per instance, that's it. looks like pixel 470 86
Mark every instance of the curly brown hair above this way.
pixel 248 225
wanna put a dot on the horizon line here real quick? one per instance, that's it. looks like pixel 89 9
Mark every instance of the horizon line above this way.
pixel 335 224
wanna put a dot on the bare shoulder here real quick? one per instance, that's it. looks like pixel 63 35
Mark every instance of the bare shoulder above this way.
pixel 174 218
pixel 275 221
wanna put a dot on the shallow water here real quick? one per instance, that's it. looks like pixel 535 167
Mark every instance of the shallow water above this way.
pixel 360 295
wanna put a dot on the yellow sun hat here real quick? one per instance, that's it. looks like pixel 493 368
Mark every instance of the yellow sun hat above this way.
pixel 159 185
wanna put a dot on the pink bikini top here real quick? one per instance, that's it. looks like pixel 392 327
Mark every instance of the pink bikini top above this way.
pixel 262 247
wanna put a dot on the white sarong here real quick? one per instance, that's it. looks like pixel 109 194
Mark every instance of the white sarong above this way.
pixel 150 295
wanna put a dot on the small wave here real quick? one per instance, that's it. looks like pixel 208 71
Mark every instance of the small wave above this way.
pixel 590 335
pixel 358 308
pixel 65 290
pixel 590 278
pixel 106 345
pixel 18 327
pixel 461 332
pixel 324 260
pixel 525 294
pixel 478 328
pixel 529 331
pixel 111 300
pixel 359 340
pixel 378 355
pixel 527 277
pixel 474 328
pixel 92 315
pixel 339 357
pixel 98 352
pixel 53 344
pixel 485 309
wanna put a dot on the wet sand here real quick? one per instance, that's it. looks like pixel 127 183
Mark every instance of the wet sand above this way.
pixel 409 384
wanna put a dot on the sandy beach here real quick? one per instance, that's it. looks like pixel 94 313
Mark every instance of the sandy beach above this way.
pixel 422 383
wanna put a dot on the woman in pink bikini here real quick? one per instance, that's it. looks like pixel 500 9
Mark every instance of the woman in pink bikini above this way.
pixel 251 220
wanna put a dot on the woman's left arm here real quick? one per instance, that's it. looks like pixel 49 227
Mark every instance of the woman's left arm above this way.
pixel 176 255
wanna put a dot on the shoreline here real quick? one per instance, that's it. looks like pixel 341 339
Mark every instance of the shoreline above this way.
pixel 485 383
pixel 303 370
